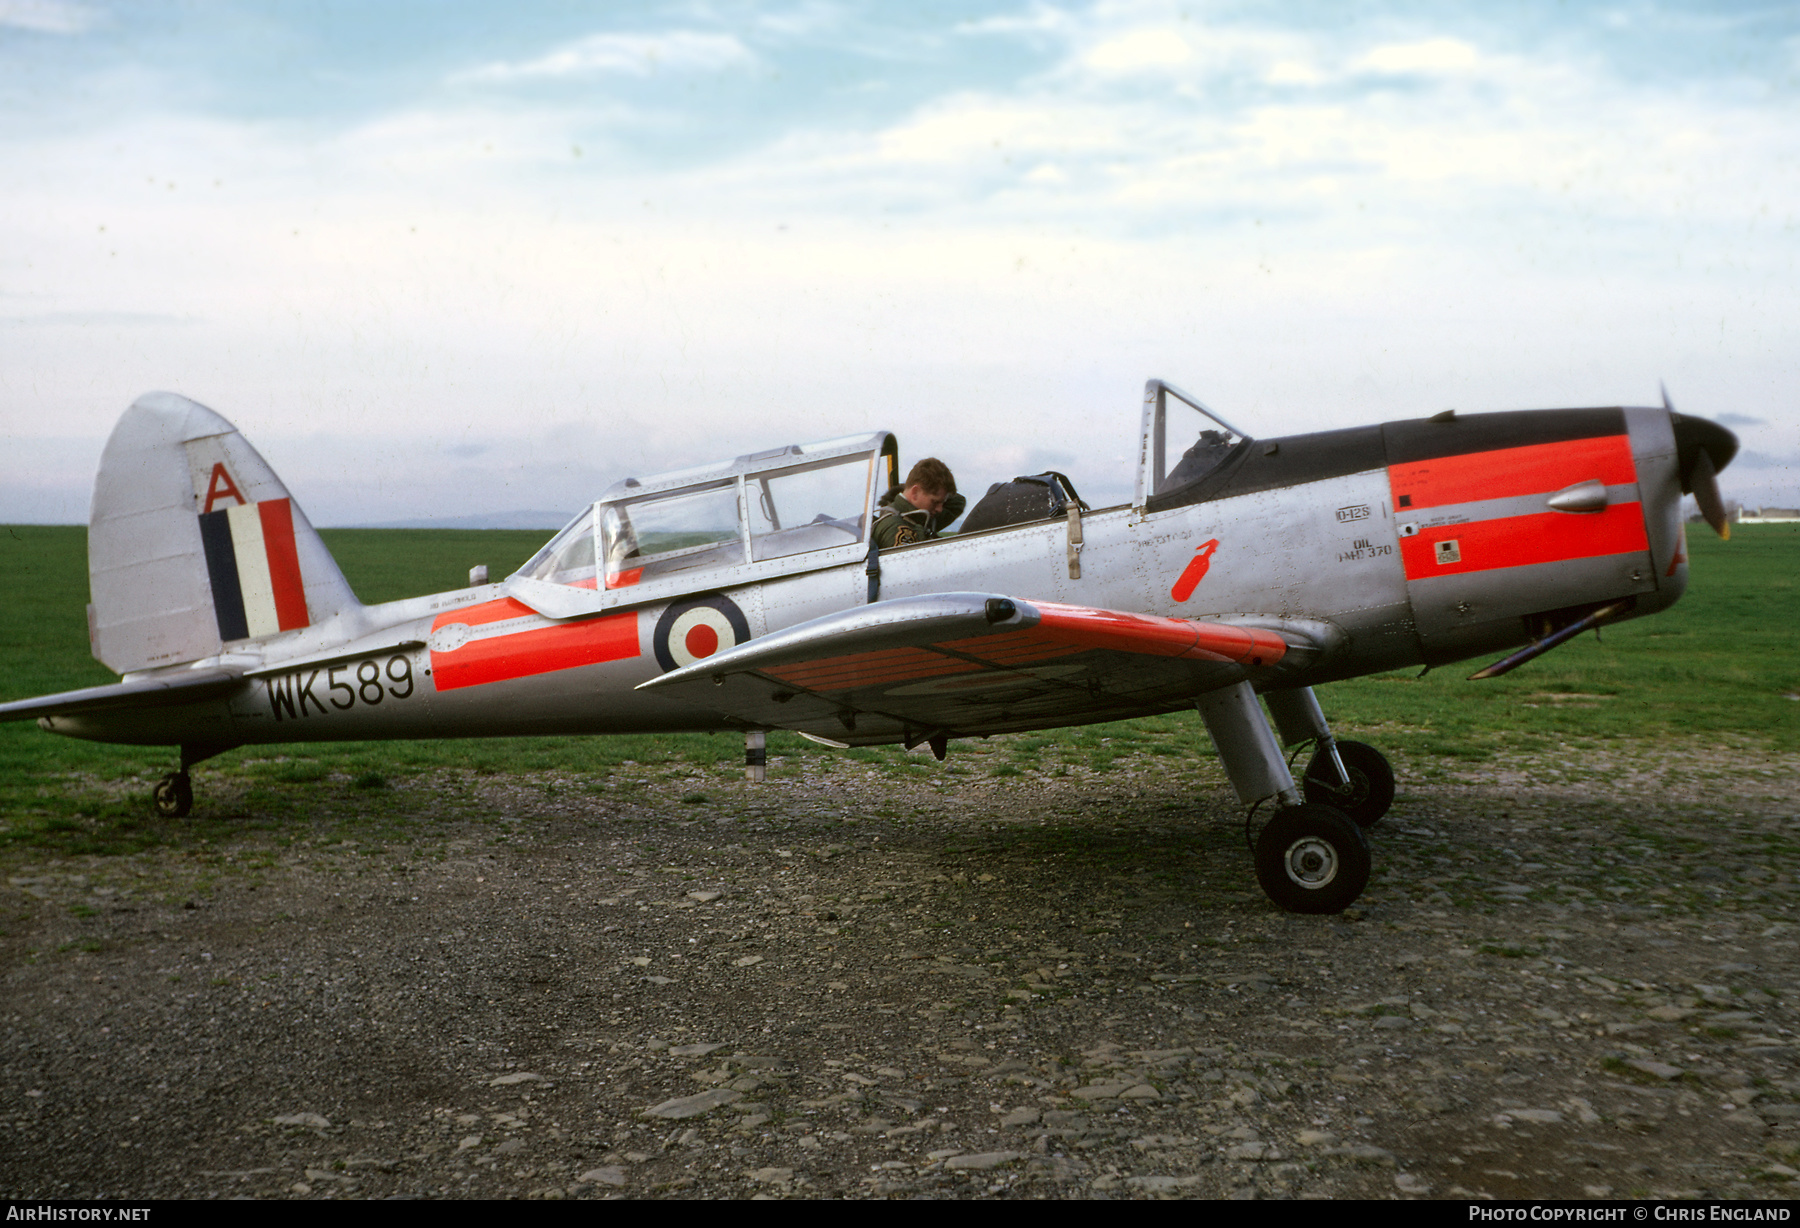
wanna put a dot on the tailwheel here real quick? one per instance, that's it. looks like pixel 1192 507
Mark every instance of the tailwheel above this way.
pixel 1371 789
pixel 173 796
pixel 1312 859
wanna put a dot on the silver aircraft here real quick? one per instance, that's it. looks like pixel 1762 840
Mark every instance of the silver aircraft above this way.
pixel 747 595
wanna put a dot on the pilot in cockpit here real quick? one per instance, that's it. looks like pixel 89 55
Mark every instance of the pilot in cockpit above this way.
pixel 918 511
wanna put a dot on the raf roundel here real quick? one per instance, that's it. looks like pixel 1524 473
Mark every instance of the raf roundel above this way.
pixel 691 631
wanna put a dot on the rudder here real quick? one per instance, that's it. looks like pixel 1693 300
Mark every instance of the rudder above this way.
pixel 194 543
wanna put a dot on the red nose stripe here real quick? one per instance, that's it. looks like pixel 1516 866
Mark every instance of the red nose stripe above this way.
pixel 1522 541
pixel 1504 473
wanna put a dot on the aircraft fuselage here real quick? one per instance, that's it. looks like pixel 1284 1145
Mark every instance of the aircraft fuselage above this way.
pixel 1419 542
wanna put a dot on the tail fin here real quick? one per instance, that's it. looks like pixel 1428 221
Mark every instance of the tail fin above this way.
pixel 193 542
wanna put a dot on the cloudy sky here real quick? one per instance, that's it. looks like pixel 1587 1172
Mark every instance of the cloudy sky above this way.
pixel 442 259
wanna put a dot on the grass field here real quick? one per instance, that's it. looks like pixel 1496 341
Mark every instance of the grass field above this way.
pixel 1724 665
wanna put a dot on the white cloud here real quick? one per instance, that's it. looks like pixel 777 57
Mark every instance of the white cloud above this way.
pixel 47 16
pixel 805 20
pixel 1039 19
pixel 638 55
pixel 1293 72
pixel 1138 49
pixel 1483 141
pixel 983 128
pixel 1432 55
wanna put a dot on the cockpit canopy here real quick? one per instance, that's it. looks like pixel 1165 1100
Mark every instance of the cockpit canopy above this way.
pixel 786 509
pixel 808 506
pixel 1182 441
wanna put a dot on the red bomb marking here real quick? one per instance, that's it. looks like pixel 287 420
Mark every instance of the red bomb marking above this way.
pixel 1195 571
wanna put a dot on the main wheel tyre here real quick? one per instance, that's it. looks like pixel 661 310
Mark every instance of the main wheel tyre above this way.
pixel 1312 859
pixel 173 796
pixel 1371 789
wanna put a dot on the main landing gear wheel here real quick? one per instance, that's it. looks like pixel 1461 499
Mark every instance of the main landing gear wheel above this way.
pixel 173 796
pixel 1312 859
pixel 1371 789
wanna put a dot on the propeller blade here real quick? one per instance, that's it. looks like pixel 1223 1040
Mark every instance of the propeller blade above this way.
pixel 1702 448
pixel 1705 484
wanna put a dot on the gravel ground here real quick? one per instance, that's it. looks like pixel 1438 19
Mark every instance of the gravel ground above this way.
pixel 1573 975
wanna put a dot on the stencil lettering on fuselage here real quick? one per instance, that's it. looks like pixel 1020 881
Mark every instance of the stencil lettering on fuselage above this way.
pixel 1364 549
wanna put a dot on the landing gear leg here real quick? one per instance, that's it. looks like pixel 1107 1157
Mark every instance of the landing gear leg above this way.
pixel 1310 858
pixel 1247 746
pixel 1370 791
pixel 1352 777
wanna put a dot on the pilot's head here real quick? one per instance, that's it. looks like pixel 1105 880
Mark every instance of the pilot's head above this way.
pixel 928 484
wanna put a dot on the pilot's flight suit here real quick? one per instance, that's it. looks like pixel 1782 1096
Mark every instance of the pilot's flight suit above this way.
pixel 898 522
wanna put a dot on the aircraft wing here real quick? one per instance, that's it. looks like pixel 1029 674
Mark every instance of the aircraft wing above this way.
pixel 968 663
pixel 183 687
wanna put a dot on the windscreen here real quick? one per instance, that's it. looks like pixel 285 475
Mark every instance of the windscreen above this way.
pixel 1189 445
pixel 569 558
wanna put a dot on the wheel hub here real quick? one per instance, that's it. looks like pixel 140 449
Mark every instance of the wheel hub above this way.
pixel 1311 862
pixel 1354 793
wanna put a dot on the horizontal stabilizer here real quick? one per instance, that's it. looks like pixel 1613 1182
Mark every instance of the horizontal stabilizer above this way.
pixel 358 650
pixel 967 663
pixel 187 686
